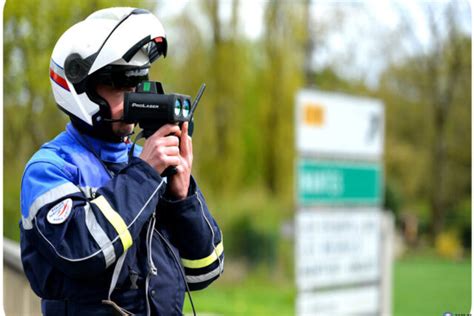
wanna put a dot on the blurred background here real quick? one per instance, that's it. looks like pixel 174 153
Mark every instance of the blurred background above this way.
pixel 254 56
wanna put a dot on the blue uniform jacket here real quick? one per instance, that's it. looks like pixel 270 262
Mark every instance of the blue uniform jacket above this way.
pixel 87 226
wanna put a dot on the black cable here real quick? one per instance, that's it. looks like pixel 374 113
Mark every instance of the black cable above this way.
pixel 130 153
pixel 180 269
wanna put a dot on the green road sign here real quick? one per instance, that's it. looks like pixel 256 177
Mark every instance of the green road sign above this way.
pixel 336 182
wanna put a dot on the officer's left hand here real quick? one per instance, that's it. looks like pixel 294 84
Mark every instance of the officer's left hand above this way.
pixel 178 184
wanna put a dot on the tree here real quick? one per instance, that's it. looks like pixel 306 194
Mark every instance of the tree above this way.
pixel 435 85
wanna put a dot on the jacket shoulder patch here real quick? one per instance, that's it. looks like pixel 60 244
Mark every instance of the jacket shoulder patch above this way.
pixel 60 212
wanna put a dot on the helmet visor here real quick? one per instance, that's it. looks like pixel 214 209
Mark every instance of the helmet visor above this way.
pixel 121 77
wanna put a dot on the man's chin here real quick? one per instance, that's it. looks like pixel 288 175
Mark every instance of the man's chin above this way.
pixel 123 130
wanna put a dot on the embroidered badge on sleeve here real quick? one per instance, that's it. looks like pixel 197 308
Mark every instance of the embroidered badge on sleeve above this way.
pixel 60 212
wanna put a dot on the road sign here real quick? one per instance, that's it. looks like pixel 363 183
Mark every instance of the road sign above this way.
pixel 337 246
pixel 340 242
pixel 335 182
pixel 338 124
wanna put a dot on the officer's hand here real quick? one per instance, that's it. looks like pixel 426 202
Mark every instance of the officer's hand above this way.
pixel 161 149
pixel 178 185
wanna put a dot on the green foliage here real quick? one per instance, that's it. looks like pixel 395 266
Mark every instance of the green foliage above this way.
pixel 252 244
pixel 328 79
pixel 416 136
pixel 251 223
pixel 244 124
pixel 393 199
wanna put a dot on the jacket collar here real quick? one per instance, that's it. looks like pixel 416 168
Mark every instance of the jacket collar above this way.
pixel 107 151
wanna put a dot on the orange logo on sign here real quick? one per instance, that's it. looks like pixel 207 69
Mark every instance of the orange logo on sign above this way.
pixel 313 114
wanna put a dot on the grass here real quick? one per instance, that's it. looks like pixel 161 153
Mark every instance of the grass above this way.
pixel 422 285
pixel 426 285
pixel 245 295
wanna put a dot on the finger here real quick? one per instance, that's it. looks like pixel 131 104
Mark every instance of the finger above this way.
pixel 172 161
pixel 166 130
pixel 185 129
pixel 178 133
pixel 171 140
pixel 179 169
pixel 185 140
pixel 190 144
pixel 172 151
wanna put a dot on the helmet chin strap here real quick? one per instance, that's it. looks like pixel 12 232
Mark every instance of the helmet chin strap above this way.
pixel 113 120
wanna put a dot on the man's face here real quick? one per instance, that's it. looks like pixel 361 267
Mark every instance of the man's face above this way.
pixel 115 96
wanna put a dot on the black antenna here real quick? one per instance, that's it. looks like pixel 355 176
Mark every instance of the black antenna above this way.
pixel 196 100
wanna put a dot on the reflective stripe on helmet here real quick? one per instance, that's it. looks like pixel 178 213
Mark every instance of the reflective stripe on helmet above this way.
pixel 56 74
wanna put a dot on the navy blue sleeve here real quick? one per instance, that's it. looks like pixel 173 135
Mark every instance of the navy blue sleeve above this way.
pixel 196 235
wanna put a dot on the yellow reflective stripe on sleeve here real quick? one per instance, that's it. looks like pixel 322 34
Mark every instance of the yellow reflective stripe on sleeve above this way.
pixel 116 220
pixel 204 262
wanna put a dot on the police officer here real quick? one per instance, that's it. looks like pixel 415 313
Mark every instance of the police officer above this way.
pixel 102 233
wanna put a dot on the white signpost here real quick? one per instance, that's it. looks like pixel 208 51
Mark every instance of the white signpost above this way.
pixel 338 257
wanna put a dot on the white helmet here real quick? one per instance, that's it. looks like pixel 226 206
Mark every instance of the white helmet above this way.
pixel 114 46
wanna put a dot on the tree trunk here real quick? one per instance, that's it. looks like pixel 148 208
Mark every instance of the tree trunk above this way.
pixel 437 194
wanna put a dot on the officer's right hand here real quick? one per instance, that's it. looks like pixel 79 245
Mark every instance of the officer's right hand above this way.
pixel 161 150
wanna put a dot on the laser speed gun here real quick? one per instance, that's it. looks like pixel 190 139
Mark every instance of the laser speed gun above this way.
pixel 151 108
